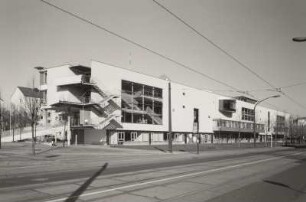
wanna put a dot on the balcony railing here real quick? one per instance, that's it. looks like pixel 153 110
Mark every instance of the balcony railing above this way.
pixel 77 100
pixel 145 93
pixel 70 80
pixel 236 126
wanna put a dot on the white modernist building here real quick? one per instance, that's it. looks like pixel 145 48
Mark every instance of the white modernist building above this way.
pixel 104 104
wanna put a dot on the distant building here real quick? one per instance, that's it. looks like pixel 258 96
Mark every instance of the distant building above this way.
pixel 22 95
pixel 104 104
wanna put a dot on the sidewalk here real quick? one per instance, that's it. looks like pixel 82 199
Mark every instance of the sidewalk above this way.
pixel 192 148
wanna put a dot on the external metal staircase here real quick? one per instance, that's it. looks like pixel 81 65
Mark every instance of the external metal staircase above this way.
pixel 107 106
pixel 109 120
pixel 132 103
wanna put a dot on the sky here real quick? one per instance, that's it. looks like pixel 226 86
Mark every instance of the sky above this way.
pixel 256 33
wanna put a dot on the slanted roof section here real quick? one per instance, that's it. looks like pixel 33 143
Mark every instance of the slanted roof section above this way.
pixel 80 69
pixel 30 92
pixel 246 99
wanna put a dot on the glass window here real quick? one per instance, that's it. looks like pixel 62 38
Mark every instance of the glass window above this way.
pixel 158 93
pixel 247 114
pixel 126 117
pixel 139 104
pixel 148 105
pixel 158 107
pixel 137 89
pixel 137 118
pixel 126 87
pixel 148 91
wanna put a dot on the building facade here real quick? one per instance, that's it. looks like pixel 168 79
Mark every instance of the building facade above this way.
pixel 104 104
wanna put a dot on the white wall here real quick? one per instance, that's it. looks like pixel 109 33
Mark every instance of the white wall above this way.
pixel 54 74
pixel 184 100
pixel 17 98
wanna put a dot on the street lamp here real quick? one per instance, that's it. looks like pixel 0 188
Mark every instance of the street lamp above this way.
pixel 299 39
pixel 254 124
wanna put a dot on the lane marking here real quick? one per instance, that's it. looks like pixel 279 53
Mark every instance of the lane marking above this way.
pixel 40 179
pixel 176 177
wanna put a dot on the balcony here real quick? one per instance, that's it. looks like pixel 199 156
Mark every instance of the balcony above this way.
pixel 73 80
pixel 236 126
pixel 72 100
pixel 227 105
pixel 81 121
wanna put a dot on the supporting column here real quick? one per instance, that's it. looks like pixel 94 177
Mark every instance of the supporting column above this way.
pixel 107 137
pixel 76 139
pixel 68 130
pixel 150 138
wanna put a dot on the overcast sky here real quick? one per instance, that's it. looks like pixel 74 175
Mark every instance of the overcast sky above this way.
pixel 256 32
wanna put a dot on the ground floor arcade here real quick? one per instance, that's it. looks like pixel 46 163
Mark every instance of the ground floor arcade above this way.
pixel 130 137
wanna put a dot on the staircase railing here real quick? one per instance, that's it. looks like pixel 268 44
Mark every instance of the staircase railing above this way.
pixel 106 121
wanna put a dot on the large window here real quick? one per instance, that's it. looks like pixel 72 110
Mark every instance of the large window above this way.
pixel 247 114
pixel 141 103
pixel 280 122
pixel 43 78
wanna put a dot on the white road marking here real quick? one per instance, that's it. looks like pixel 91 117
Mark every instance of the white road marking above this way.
pixel 40 179
pixel 176 177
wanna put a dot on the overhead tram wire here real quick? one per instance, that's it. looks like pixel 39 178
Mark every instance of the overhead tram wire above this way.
pixel 148 49
pixel 137 44
pixel 279 89
pixel 223 51
pixel 294 85
pixel 143 47
pixel 212 43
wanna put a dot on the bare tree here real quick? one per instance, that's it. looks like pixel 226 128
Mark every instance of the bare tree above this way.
pixel 32 108
pixel 16 120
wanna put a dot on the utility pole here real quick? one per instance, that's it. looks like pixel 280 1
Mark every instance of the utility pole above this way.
pixel 170 117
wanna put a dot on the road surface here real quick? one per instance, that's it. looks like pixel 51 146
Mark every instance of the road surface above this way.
pixel 268 175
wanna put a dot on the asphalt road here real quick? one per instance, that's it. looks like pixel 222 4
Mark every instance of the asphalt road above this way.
pixel 286 186
pixel 53 176
pixel 275 175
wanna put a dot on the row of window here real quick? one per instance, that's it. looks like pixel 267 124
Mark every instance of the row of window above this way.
pixel 138 89
pixel 236 125
pixel 128 117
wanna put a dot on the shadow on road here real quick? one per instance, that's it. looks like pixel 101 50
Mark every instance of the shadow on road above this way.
pixel 283 185
pixel 75 195
pixel 162 150
pixel 42 151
